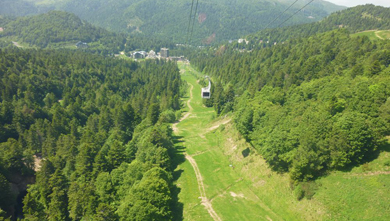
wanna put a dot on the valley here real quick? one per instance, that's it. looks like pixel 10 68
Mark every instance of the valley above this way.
pixel 102 118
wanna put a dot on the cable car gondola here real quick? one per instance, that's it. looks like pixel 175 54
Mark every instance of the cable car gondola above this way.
pixel 206 91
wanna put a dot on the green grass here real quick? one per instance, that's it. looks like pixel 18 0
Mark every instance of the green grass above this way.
pixel 370 34
pixel 384 34
pixel 251 191
pixel 373 34
pixel 245 192
pixel 360 194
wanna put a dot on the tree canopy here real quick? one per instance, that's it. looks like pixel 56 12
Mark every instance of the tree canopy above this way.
pixel 310 105
pixel 94 124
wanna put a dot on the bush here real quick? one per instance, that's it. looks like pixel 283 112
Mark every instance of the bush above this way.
pixel 167 116
pixel 213 116
pixel 299 193
pixel 305 190
pixel 178 115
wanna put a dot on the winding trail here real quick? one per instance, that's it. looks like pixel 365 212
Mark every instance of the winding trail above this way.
pixel 174 126
pixel 215 190
pixel 375 173
pixel 378 36
pixel 17 44
pixel 205 202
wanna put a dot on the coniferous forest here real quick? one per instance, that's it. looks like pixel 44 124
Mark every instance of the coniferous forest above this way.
pixel 356 19
pixel 310 105
pixel 57 29
pixel 85 135
pixel 167 20
pixel 98 127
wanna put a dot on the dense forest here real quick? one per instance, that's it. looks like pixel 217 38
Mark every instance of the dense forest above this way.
pixel 310 105
pixel 94 132
pixel 356 19
pixel 21 8
pixel 168 20
pixel 57 29
pixel 86 136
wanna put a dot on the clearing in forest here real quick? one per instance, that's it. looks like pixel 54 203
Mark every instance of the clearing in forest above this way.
pixel 214 182
pixel 223 178
pixel 374 34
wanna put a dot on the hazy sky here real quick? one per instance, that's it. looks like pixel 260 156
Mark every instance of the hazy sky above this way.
pixel 351 3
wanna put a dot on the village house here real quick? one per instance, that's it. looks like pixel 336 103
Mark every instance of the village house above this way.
pixel 139 54
pixel 152 54
pixel 164 52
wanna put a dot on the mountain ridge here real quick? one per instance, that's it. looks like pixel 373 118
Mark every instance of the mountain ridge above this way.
pixel 355 19
pixel 58 29
pixel 215 21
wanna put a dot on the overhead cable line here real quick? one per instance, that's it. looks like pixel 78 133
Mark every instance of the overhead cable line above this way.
pixel 280 15
pixel 295 13
pixel 193 22
pixel 189 22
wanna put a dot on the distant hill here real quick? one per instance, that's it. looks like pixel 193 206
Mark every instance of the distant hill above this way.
pixel 21 8
pixel 215 21
pixel 53 27
pixel 356 19
pixel 62 29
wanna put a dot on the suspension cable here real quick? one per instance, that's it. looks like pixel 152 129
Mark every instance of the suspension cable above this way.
pixel 193 22
pixel 189 22
pixel 280 15
pixel 295 13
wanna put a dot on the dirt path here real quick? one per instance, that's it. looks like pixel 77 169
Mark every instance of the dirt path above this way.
pixel 376 34
pixel 375 173
pixel 215 126
pixel 225 121
pixel 205 202
pixel 16 44
pixel 174 126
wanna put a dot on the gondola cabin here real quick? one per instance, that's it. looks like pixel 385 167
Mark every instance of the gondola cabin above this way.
pixel 205 94
pixel 206 91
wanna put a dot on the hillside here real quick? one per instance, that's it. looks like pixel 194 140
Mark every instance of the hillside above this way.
pixel 89 134
pixel 21 8
pixel 57 29
pixel 298 129
pixel 225 178
pixel 53 27
pixel 310 105
pixel 316 109
pixel 215 21
pixel 356 19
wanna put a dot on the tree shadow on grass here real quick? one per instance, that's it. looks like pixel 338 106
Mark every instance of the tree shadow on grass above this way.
pixel 177 157
pixel 177 139
pixel 177 207
pixel 383 147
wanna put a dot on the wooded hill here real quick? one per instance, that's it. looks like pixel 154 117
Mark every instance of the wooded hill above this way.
pixel 57 29
pixel 310 105
pixel 95 131
pixel 21 8
pixel 356 19
pixel 168 20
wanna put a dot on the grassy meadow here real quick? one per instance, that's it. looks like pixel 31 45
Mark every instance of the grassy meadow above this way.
pixel 374 34
pixel 240 185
